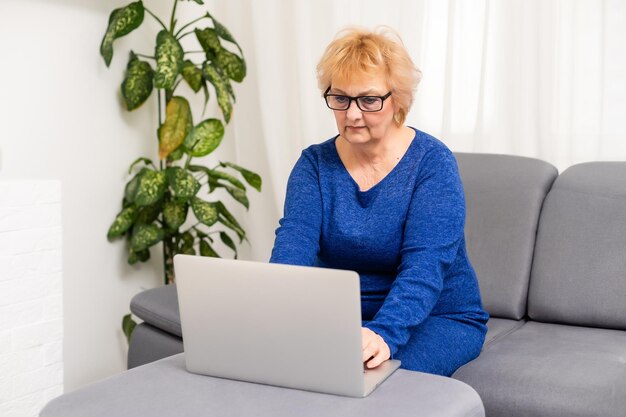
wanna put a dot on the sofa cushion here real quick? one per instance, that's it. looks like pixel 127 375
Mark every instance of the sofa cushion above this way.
pixel 552 370
pixel 159 307
pixel 503 195
pixel 498 328
pixel 149 344
pixel 578 276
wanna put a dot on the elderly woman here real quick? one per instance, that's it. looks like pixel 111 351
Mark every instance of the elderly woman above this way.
pixel 386 200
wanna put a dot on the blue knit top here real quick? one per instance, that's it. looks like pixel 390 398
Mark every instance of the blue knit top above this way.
pixel 404 236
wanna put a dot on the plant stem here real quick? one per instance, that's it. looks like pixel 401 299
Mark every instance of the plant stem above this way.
pixel 184 34
pixel 172 20
pixel 188 161
pixel 168 260
pixel 191 52
pixel 146 56
pixel 206 16
pixel 157 19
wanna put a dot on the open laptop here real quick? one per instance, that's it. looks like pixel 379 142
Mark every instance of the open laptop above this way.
pixel 290 326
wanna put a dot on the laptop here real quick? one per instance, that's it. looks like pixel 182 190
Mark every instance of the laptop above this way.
pixel 283 325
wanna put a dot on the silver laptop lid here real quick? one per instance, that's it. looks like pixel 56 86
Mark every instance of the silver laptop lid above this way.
pixel 291 326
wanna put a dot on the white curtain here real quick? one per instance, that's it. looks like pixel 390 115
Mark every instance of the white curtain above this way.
pixel 537 78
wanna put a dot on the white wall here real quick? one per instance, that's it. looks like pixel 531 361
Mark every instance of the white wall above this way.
pixel 31 323
pixel 61 119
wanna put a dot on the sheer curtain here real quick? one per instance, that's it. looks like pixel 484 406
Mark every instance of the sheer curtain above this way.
pixel 538 78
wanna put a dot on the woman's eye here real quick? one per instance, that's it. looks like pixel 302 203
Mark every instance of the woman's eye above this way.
pixel 341 99
pixel 370 100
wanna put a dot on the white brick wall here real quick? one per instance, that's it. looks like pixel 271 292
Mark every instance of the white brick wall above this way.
pixel 31 297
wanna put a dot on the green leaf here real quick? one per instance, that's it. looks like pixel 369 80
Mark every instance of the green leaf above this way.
pixel 146 161
pixel 148 214
pixel 206 213
pixel 221 89
pixel 251 178
pixel 122 21
pixel 174 213
pixel 169 57
pixel 144 236
pixel 228 242
pixel 223 33
pixel 183 184
pixel 152 185
pixel 207 250
pixel 130 191
pixel 141 256
pixel 204 138
pixel 209 41
pixel 228 220
pixel 193 75
pixel 122 222
pixel 198 1
pixel 137 85
pixel 177 154
pixel 178 122
pixel 233 66
pixel 185 241
pixel 238 195
pixel 128 325
pixel 227 177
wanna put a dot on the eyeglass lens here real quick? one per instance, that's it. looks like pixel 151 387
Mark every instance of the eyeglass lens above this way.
pixel 365 103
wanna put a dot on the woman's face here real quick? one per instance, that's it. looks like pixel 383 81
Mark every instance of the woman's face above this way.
pixel 356 126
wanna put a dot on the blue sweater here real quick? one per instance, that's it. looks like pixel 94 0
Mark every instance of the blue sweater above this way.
pixel 404 236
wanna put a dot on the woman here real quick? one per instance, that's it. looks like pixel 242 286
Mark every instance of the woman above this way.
pixel 386 200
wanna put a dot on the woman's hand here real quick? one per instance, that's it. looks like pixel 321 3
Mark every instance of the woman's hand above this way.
pixel 375 350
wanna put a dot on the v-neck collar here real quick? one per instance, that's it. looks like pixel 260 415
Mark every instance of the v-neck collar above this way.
pixel 368 194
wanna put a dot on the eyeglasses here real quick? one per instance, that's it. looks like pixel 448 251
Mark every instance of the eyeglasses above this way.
pixel 364 103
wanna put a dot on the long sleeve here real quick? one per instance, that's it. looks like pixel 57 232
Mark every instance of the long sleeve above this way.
pixel 433 231
pixel 298 236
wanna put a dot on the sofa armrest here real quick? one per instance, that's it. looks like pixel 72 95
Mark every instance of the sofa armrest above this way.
pixel 159 307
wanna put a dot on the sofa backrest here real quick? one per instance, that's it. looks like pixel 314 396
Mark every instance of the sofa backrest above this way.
pixel 579 271
pixel 504 195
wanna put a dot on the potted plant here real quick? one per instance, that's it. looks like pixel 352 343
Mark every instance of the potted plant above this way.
pixel 167 202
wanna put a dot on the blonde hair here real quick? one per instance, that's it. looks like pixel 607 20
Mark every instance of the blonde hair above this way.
pixel 357 52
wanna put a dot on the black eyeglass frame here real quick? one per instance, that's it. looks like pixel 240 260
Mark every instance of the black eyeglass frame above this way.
pixel 356 99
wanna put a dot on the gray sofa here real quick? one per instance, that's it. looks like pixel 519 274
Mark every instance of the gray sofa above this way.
pixel 550 254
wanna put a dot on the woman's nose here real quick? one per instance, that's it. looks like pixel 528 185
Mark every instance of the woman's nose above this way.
pixel 353 111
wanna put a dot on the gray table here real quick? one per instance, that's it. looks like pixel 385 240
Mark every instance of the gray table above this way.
pixel 165 388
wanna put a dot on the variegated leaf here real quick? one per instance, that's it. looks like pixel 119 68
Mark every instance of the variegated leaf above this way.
pixel 208 39
pixel 174 213
pixel 233 66
pixel 223 98
pixel 122 21
pixel 204 138
pixel 152 185
pixel 223 33
pixel 183 183
pixel 178 122
pixel 141 256
pixel 193 75
pixel 122 222
pixel 205 212
pixel 137 84
pixel 169 57
pixel 148 214
pixel 144 236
